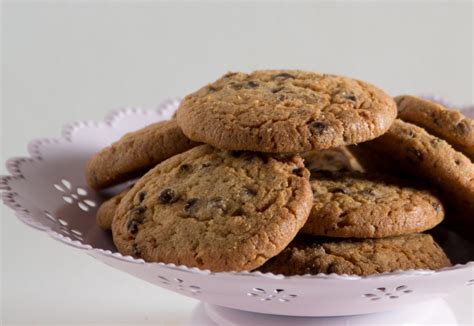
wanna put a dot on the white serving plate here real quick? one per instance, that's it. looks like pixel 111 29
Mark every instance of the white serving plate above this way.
pixel 48 191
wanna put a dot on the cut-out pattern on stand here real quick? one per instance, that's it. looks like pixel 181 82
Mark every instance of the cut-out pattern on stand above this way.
pixel 64 228
pixel 79 195
pixel 385 293
pixel 277 295
pixel 180 285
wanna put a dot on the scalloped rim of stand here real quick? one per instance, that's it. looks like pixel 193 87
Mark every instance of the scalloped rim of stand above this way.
pixel 13 166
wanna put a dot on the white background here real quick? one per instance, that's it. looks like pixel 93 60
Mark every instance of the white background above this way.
pixel 66 61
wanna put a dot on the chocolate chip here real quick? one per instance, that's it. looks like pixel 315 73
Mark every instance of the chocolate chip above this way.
pixel 319 127
pixel 339 191
pixel 219 203
pixel 251 84
pixel 368 192
pixel 137 213
pixel 457 162
pixel 249 191
pixel 436 206
pixel 213 88
pixel 298 172
pixel 141 196
pixel 462 128
pixel 238 212
pixel 276 89
pixel 132 226
pixel 135 250
pixel 235 153
pixel 350 97
pixel 435 142
pixel 236 86
pixel 184 168
pixel 190 205
pixel 282 76
pixel 168 196
pixel 230 74
pixel 410 133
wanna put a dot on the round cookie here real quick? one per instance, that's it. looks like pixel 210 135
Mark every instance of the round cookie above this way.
pixel 306 255
pixel 216 210
pixel 135 153
pixel 360 205
pixel 410 150
pixel 105 213
pixel 450 125
pixel 285 111
pixel 331 159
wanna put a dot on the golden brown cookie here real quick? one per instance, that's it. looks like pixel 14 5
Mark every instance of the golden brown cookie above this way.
pixel 331 159
pixel 285 111
pixel 105 213
pixel 450 125
pixel 360 205
pixel 307 255
pixel 135 153
pixel 216 210
pixel 409 149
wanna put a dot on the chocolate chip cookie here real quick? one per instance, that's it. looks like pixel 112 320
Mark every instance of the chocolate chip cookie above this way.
pixel 216 210
pixel 450 125
pixel 361 205
pixel 331 159
pixel 105 213
pixel 285 111
pixel 361 257
pixel 409 149
pixel 135 153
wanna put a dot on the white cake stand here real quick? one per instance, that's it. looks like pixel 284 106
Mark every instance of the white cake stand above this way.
pixel 48 191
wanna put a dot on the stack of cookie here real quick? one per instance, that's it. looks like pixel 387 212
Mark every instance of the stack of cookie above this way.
pixel 254 174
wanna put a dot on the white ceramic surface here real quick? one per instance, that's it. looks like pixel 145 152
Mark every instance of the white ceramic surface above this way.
pixel 48 191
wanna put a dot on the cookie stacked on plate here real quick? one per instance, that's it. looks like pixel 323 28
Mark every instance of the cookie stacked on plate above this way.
pixel 261 172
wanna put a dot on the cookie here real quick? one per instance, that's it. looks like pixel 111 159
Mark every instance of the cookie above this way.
pixel 216 210
pixel 285 111
pixel 361 205
pixel 331 159
pixel 105 213
pixel 450 125
pixel 409 149
pixel 135 153
pixel 360 257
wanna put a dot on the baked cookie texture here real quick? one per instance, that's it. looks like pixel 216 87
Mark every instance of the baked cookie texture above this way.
pixel 105 213
pixel 331 159
pixel 450 125
pixel 410 150
pixel 359 205
pixel 285 111
pixel 213 209
pixel 135 153
pixel 310 255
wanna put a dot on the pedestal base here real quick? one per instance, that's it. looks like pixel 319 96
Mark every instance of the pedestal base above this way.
pixel 431 312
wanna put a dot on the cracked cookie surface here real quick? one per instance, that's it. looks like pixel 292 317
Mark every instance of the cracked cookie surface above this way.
pixel 410 150
pixel 213 209
pixel 361 205
pixel 135 153
pixel 307 255
pixel 450 125
pixel 285 111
